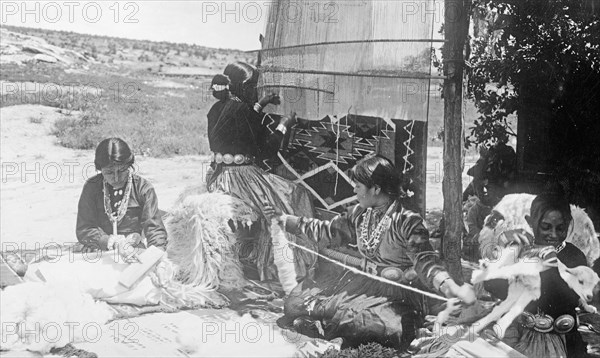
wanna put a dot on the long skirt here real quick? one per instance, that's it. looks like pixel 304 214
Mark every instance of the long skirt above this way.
pixel 357 309
pixel 535 344
pixel 255 186
pixel 528 342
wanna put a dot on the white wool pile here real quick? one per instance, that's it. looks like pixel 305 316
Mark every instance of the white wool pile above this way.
pixel 39 316
pixel 163 276
pixel 283 257
pixel 514 207
pixel 189 191
pixel 201 242
pixel 242 337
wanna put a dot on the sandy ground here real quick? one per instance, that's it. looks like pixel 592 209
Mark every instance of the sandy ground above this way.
pixel 42 181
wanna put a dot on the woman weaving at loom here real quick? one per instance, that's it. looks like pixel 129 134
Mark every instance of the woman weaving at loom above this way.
pixel 392 240
pixel 239 138
pixel 117 206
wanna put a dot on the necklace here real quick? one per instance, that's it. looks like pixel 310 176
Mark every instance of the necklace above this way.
pixel 371 241
pixel 560 247
pixel 122 207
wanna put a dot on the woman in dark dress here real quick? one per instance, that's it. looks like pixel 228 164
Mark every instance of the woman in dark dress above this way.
pixel 394 243
pixel 118 198
pixel 548 326
pixel 240 139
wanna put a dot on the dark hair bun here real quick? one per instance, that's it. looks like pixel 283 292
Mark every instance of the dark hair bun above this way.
pixel 378 170
pixel 111 151
pixel 221 80
pixel 220 86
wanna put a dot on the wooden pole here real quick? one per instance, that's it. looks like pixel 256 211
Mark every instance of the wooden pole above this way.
pixel 456 20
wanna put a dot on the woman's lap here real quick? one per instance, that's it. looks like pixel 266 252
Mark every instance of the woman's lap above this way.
pixel 354 310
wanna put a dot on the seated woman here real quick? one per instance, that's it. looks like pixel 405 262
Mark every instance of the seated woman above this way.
pixel 117 198
pixel 489 194
pixel 554 332
pixel 240 139
pixel 391 240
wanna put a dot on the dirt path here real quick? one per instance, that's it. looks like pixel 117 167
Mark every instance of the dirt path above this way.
pixel 42 181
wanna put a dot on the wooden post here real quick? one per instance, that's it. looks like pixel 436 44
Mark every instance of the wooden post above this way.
pixel 456 22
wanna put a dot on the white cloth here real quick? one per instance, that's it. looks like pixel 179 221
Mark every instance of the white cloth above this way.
pixel 98 274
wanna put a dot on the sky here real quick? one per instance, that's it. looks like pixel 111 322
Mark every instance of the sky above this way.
pixel 221 24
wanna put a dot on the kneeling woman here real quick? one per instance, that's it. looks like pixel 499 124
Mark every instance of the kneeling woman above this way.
pixel 118 198
pixel 356 307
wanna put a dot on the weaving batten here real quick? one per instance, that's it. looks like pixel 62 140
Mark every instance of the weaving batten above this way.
pixel 376 278
pixel 343 43
pixel 382 74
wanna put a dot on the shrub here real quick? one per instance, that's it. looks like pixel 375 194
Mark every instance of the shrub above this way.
pixel 371 350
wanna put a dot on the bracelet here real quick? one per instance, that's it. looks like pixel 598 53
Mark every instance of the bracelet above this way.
pixel 440 276
pixel 443 282
pixel 257 107
pixel 282 128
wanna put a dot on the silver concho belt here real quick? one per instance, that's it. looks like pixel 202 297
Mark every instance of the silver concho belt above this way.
pixel 545 323
pixel 239 159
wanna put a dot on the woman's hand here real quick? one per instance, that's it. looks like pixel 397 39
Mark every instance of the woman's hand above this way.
pixel 288 121
pixel 518 236
pixel 452 307
pixel 272 212
pixel 269 98
pixel 113 240
pixel 125 246
pixel 134 238
pixel 209 174
pixel 465 293
pixel 127 252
